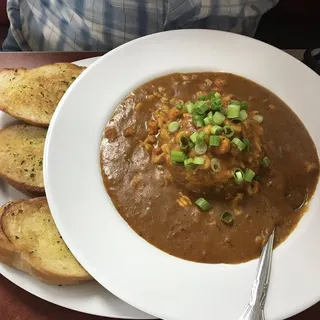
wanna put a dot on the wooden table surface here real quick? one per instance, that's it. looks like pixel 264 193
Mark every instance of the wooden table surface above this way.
pixel 17 304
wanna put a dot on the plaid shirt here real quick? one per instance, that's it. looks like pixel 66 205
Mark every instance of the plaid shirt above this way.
pixel 101 25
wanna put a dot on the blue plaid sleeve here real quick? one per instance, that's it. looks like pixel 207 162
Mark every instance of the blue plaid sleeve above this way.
pixel 101 25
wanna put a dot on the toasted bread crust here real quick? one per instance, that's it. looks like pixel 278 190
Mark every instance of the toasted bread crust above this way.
pixel 33 95
pixel 24 260
pixel 23 187
pixel 21 146
pixel 7 250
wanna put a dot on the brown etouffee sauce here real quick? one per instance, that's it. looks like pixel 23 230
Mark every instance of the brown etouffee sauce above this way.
pixel 156 207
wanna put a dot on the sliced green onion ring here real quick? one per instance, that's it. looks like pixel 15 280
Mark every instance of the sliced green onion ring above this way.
pixel 216 129
pixel 203 97
pixel 189 106
pixel 214 141
pixel 266 162
pixel 179 106
pixel 198 160
pixel 207 120
pixel 211 95
pixel 228 131
pixel 215 165
pixel 239 144
pixel 194 136
pixel 177 156
pixel 243 115
pixel 214 106
pixel 199 122
pixel 244 105
pixel 218 118
pixel 223 110
pixel 247 142
pixel 200 137
pixel 173 126
pixel 201 148
pixel 217 95
pixel 218 102
pixel 191 144
pixel 238 175
pixel 258 118
pixel 249 175
pixel 233 111
pixel 226 217
pixel 188 163
pixel 201 107
pixel 203 204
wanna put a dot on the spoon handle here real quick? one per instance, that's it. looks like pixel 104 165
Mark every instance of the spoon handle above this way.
pixel 255 308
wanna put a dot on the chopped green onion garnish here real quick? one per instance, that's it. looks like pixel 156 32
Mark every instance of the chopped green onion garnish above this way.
pixel 223 110
pixel 266 161
pixel 184 142
pixel 199 123
pixel 201 107
pixel 189 106
pixel 194 136
pixel 226 217
pixel 200 137
pixel 244 105
pixel 203 204
pixel 218 102
pixel 218 118
pixel 238 175
pixel 207 120
pixel 228 131
pixel 216 129
pixel 236 102
pixel 191 144
pixel 173 126
pixel 179 106
pixel 214 141
pixel 201 148
pixel 203 97
pixel 217 95
pixel 177 156
pixel 198 120
pixel 233 111
pixel 214 106
pixel 188 163
pixel 211 95
pixel 258 118
pixel 249 175
pixel 239 144
pixel 247 143
pixel 198 160
pixel 243 115
pixel 215 165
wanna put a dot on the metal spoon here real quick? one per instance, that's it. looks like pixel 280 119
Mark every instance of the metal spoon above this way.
pixel 255 309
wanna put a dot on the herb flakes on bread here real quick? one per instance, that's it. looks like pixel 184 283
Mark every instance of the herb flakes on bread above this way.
pixel 21 157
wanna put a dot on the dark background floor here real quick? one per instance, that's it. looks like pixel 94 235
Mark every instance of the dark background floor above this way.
pixel 291 24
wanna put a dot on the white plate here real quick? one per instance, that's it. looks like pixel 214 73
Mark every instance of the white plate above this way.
pixel 108 248
pixel 91 297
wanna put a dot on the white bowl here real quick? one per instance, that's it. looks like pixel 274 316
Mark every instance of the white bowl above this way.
pixel 101 240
